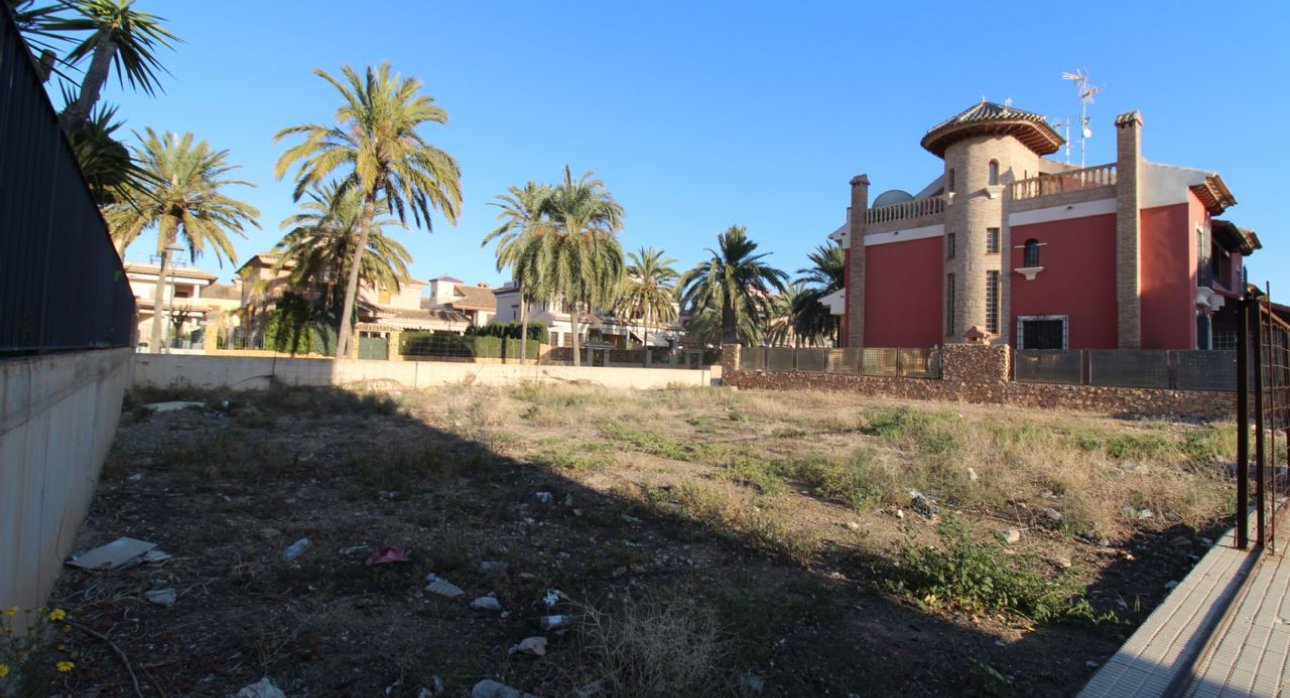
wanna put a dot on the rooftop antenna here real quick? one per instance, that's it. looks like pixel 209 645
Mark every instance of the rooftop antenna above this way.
pixel 1065 125
pixel 1086 92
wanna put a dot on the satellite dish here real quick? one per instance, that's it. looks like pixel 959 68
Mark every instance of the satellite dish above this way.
pixel 1088 132
pixel 892 196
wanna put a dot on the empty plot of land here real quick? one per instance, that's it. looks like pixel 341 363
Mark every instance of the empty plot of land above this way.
pixel 702 542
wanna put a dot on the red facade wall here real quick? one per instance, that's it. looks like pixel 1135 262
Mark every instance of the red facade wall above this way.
pixel 1168 252
pixel 1078 279
pixel 902 296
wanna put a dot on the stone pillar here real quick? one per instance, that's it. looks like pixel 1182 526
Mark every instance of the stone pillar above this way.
pixel 976 363
pixel 856 271
pixel 1128 229
pixel 392 349
pixel 214 327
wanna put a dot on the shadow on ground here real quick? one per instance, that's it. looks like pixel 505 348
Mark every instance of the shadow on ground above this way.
pixel 712 610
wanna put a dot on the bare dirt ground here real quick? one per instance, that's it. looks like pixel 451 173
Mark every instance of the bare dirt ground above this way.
pixel 704 542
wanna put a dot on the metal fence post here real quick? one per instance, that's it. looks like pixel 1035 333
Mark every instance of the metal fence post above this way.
pixel 1242 424
pixel 1259 456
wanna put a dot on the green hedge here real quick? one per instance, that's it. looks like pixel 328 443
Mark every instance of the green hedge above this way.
pixel 293 328
pixel 537 331
pixel 459 346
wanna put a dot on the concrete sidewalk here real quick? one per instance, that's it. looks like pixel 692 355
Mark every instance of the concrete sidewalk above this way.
pixel 1224 631
pixel 1250 653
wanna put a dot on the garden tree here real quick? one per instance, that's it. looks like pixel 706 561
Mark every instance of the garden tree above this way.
pixel 704 326
pixel 319 245
pixel 573 254
pixel 378 152
pixel 734 281
pixel 779 322
pixel 109 170
pixel 183 198
pixel 521 211
pixel 649 290
pixel 812 320
pixel 118 34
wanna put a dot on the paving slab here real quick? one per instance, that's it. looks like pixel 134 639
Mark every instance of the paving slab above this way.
pixel 1159 656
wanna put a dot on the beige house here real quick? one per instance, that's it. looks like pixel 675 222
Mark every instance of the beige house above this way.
pixel 380 312
pixel 603 328
pixel 190 299
pixel 477 303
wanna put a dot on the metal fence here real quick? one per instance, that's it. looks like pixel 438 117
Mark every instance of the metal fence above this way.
pixel 62 285
pixel 909 363
pixel 1128 368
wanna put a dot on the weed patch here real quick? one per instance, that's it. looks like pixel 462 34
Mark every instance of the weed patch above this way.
pixel 979 577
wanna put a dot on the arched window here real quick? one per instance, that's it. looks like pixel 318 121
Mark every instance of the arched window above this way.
pixel 1032 253
pixel 994 172
pixel 949 181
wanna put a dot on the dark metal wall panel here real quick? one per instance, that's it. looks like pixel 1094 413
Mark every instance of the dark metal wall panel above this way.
pixel 62 285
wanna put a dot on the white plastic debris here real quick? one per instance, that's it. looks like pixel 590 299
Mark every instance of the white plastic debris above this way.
pixel 531 646
pixel 442 587
pixel 297 549
pixel 162 597
pixel 114 555
pixel 263 688
pixel 172 406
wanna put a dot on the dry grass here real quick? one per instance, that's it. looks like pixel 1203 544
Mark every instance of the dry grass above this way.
pixel 660 646
pixel 863 452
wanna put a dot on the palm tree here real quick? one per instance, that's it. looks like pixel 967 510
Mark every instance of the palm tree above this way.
pixel 320 242
pixel 119 34
pixel 574 254
pixel 780 322
pixel 734 280
pixel 521 212
pixel 826 275
pixel 182 198
pixel 377 147
pixel 649 290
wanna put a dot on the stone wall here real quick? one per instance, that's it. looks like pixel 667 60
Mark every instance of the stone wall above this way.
pixel 978 374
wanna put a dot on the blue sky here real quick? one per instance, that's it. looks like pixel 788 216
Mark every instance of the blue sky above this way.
pixel 702 115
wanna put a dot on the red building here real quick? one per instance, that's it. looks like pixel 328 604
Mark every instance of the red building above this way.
pixel 1040 254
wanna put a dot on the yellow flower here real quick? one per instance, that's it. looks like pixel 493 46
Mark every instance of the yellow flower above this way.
pixel 64 667
pixel 57 614
pixel 4 670
pixel 67 628
pixel 11 611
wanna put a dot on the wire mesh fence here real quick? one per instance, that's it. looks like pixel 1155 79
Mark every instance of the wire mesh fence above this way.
pixel 1128 368
pixel 1119 368
pixel 909 363
pixel 1049 366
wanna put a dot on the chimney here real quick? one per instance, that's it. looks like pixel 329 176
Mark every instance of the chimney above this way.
pixel 1128 229
pixel 856 271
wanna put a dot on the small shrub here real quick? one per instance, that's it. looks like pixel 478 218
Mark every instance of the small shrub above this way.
pixel 859 482
pixel 978 577
pixel 1128 445
pixel 762 474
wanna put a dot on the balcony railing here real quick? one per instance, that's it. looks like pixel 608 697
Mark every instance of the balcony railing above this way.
pixel 905 209
pixel 1063 182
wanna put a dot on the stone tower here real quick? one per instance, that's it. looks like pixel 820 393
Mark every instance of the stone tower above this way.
pixel 985 148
